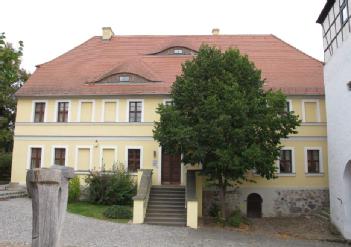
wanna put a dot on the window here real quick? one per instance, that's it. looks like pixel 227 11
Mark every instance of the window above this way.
pixel 344 12
pixel 86 110
pixel 285 161
pixel 39 112
pixel 110 111
pixel 310 111
pixel 35 158
pixel 135 111
pixel 313 163
pixel 177 51
pixel 124 78
pixel 168 102
pixel 133 160
pixel 288 106
pixel 60 156
pixel 62 112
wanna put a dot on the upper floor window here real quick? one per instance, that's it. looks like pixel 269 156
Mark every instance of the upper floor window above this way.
pixel 60 156
pixel 35 158
pixel 285 161
pixel 135 111
pixel 178 51
pixel 124 78
pixel 313 159
pixel 62 111
pixel 39 112
pixel 288 106
pixel 344 15
pixel 133 160
pixel 310 111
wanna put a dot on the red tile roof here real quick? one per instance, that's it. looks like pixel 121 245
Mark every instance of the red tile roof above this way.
pixel 283 66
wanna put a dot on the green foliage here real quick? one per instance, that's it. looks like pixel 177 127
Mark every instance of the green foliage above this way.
pixel 12 78
pixel 214 210
pixel 112 187
pixel 74 189
pixel 222 118
pixel 234 219
pixel 5 166
pixel 118 212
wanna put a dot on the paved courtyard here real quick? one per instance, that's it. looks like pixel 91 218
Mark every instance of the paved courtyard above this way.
pixel 16 219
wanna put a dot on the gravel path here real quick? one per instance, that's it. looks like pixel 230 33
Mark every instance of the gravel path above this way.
pixel 15 228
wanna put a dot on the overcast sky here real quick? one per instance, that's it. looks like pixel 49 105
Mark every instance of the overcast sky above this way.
pixel 52 27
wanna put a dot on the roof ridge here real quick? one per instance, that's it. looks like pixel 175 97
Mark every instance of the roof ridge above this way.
pixel 297 49
pixel 187 35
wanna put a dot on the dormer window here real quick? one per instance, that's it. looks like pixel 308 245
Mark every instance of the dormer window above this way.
pixel 124 78
pixel 177 51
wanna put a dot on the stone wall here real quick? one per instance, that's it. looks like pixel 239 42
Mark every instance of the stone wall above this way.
pixel 276 202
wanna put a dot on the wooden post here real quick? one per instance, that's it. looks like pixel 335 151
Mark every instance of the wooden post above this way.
pixel 48 188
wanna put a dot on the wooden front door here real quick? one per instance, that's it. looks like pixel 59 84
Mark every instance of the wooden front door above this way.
pixel 170 168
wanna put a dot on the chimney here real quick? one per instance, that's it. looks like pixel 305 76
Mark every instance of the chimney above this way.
pixel 215 31
pixel 107 33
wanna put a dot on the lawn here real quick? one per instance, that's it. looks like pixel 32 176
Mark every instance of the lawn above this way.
pixel 91 210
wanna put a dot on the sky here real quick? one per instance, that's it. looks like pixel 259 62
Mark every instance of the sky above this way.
pixel 49 28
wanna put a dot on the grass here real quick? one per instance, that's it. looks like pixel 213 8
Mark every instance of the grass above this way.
pixel 91 210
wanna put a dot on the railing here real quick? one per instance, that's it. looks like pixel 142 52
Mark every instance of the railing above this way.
pixel 191 200
pixel 142 198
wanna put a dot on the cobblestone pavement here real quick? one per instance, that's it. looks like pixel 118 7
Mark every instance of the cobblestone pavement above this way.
pixel 15 228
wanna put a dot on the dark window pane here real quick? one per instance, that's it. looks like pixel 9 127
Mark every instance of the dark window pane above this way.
pixel 135 111
pixel 60 156
pixel 62 113
pixel 35 158
pixel 39 112
pixel 313 161
pixel 285 162
pixel 133 160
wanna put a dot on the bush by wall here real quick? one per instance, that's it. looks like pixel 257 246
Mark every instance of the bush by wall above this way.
pixel 111 188
pixel 234 219
pixel 74 189
pixel 5 166
pixel 118 212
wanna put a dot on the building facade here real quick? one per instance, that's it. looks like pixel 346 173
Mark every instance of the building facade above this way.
pixel 95 106
pixel 336 24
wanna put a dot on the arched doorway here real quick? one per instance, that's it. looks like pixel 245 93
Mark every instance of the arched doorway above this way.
pixel 254 206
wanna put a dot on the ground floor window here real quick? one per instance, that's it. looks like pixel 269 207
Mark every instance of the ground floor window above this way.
pixel 313 161
pixel 285 161
pixel 133 160
pixel 35 158
pixel 60 156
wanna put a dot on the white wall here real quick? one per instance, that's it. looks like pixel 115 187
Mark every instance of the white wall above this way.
pixel 337 73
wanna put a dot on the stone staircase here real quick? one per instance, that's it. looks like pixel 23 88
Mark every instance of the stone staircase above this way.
pixel 323 214
pixel 166 206
pixel 9 191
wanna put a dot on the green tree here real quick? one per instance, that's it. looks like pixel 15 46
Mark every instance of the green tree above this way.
pixel 12 78
pixel 222 118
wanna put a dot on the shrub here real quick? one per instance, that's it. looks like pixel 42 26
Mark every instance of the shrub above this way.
pixel 74 189
pixel 111 188
pixel 214 210
pixel 5 165
pixel 118 212
pixel 234 219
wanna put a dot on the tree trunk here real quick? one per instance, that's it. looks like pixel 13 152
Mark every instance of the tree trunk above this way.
pixel 222 193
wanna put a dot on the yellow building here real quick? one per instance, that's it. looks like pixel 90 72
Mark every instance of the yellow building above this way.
pixel 95 106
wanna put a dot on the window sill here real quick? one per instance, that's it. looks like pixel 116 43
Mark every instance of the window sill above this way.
pixel 314 174
pixel 286 174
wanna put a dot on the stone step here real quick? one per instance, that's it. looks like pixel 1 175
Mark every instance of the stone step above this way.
pixel 12 194
pixel 168 189
pixel 166 201
pixel 166 205
pixel 166 222
pixel 166 210
pixel 165 213
pixel 168 198
pixel 168 195
pixel 173 218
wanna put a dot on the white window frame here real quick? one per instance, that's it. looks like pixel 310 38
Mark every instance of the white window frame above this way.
pixel 45 110
pixel 103 109
pixel 92 119
pixel 142 109
pixel 141 148
pixel 321 169
pixel 178 51
pixel 102 148
pixel 123 78
pixel 69 110
pixel 317 109
pixel 53 147
pixel 29 154
pixel 290 105
pixel 90 147
pixel 293 166
pixel 167 100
